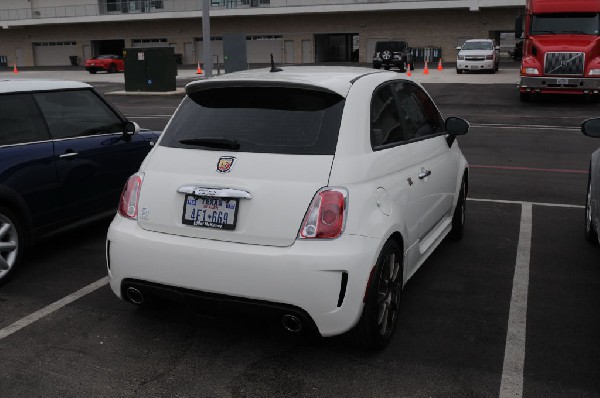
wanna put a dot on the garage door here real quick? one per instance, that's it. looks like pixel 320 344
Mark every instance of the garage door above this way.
pixel 259 50
pixel 55 53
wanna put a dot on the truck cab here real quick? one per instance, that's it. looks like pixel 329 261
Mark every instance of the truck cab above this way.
pixel 561 50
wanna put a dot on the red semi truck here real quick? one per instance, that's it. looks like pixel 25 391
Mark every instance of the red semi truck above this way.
pixel 561 48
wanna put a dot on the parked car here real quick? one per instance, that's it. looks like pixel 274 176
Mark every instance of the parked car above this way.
pixel 310 193
pixel 393 54
pixel 65 153
pixel 591 128
pixel 478 54
pixel 106 63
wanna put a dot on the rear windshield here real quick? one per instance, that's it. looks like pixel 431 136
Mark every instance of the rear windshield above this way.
pixel 398 46
pixel 257 119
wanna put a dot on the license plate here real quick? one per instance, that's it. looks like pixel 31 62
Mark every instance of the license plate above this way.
pixel 204 211
pixel 562 81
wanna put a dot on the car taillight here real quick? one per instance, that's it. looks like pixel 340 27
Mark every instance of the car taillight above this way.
pixel 128 205
pixel 326 215
pixel 489 57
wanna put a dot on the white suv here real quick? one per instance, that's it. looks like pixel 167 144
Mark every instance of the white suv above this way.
pixel 312 193
pixel 478 54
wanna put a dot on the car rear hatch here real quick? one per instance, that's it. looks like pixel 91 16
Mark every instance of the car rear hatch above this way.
pixel 241 164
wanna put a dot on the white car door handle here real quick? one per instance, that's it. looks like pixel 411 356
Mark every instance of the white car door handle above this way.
pixel 424 173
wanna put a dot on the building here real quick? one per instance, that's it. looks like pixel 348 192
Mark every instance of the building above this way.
pixel 57 32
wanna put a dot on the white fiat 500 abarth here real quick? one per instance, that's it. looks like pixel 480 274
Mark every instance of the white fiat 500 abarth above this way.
pixel 313 193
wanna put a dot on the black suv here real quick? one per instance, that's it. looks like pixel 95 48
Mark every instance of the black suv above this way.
pixel 392 54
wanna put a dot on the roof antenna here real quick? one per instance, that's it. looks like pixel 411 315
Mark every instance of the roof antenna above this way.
pixel 273 67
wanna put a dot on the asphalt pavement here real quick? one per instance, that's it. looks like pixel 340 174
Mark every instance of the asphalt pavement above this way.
pixel 510 310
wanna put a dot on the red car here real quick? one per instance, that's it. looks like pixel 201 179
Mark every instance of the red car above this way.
pixel 108 63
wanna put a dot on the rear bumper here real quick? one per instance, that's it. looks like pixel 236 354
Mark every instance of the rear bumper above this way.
pixel 580 85
pixel 323 282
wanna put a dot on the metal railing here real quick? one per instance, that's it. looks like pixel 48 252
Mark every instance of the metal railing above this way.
pixel 120 7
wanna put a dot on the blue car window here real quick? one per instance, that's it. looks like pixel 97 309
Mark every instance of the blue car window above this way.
pixel 20 120
pixel 77 113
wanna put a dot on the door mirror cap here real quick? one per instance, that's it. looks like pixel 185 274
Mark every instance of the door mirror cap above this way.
pixel 518 27
pixel 591 127
pixel 456 126
pixel 131 128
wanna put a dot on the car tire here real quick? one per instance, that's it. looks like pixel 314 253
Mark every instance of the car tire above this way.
pixel 460 213
pixel 92 72
pixel 386 67
pixel 11 243
pixel 112 68
pixel 590 231
pixel 377 323
pixel 459 71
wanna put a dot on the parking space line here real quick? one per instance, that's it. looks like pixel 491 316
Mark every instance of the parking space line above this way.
pixel 29 319
pixel 517 202
pixel 520 168
pixel 514 351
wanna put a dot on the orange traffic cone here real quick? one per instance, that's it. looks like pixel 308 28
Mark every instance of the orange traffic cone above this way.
pixel 199 70
pixel 15 70
pixel 426 70
pixel 440 64
pixel 408 71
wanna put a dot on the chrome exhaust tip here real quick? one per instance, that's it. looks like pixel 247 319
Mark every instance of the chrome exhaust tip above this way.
pixel 291 323
pixel 134 296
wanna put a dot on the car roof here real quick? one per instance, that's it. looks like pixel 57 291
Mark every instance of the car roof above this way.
pixel 338 79
pixel 23 85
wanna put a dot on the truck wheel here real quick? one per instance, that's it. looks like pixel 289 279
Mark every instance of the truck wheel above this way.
pixel 459 71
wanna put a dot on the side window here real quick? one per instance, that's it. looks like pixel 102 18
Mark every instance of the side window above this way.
pixel 20 120
pixel 77 113
pixel 418 111
pixel 432 115
pixel 386 125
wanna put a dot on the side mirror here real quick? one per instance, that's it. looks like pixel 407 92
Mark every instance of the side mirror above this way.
pixel 455 126
pixel 591 127
pixel 458 48
pixel 131 128
pixel 518 27
pixel 497 48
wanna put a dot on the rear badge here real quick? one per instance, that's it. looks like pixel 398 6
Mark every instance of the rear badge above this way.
pixel 225 164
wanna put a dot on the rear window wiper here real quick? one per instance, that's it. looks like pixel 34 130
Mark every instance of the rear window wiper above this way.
pixel 219 143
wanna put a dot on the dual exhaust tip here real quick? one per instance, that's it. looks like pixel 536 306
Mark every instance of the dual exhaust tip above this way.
pixel 134 296
pixel 290 322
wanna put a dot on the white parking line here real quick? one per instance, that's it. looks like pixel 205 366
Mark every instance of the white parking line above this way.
pixel 514 350
pixel 29 319
pixel 517 202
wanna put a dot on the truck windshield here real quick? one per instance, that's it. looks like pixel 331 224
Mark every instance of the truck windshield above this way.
pixel 579 23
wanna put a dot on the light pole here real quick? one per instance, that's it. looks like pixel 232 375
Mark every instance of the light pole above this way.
pixel 206 51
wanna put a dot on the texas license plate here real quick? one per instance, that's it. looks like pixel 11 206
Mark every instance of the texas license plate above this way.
pixel 204 211
pixel 562 81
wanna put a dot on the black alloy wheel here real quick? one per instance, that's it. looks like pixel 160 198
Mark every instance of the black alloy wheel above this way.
pixel 380 313
pixel 11 243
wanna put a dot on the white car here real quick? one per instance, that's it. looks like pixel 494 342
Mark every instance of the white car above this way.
pixel 478 54
pixel 313 193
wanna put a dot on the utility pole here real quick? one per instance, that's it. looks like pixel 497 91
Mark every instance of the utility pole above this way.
pixel 206 51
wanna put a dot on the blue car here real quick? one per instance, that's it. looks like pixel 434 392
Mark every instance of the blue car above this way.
pixel 65 154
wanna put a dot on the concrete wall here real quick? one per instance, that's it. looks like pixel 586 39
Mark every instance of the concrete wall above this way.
pixel 438 28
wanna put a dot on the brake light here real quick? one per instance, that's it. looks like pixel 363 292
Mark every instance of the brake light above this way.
pixel 128 204
pixel 326 215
